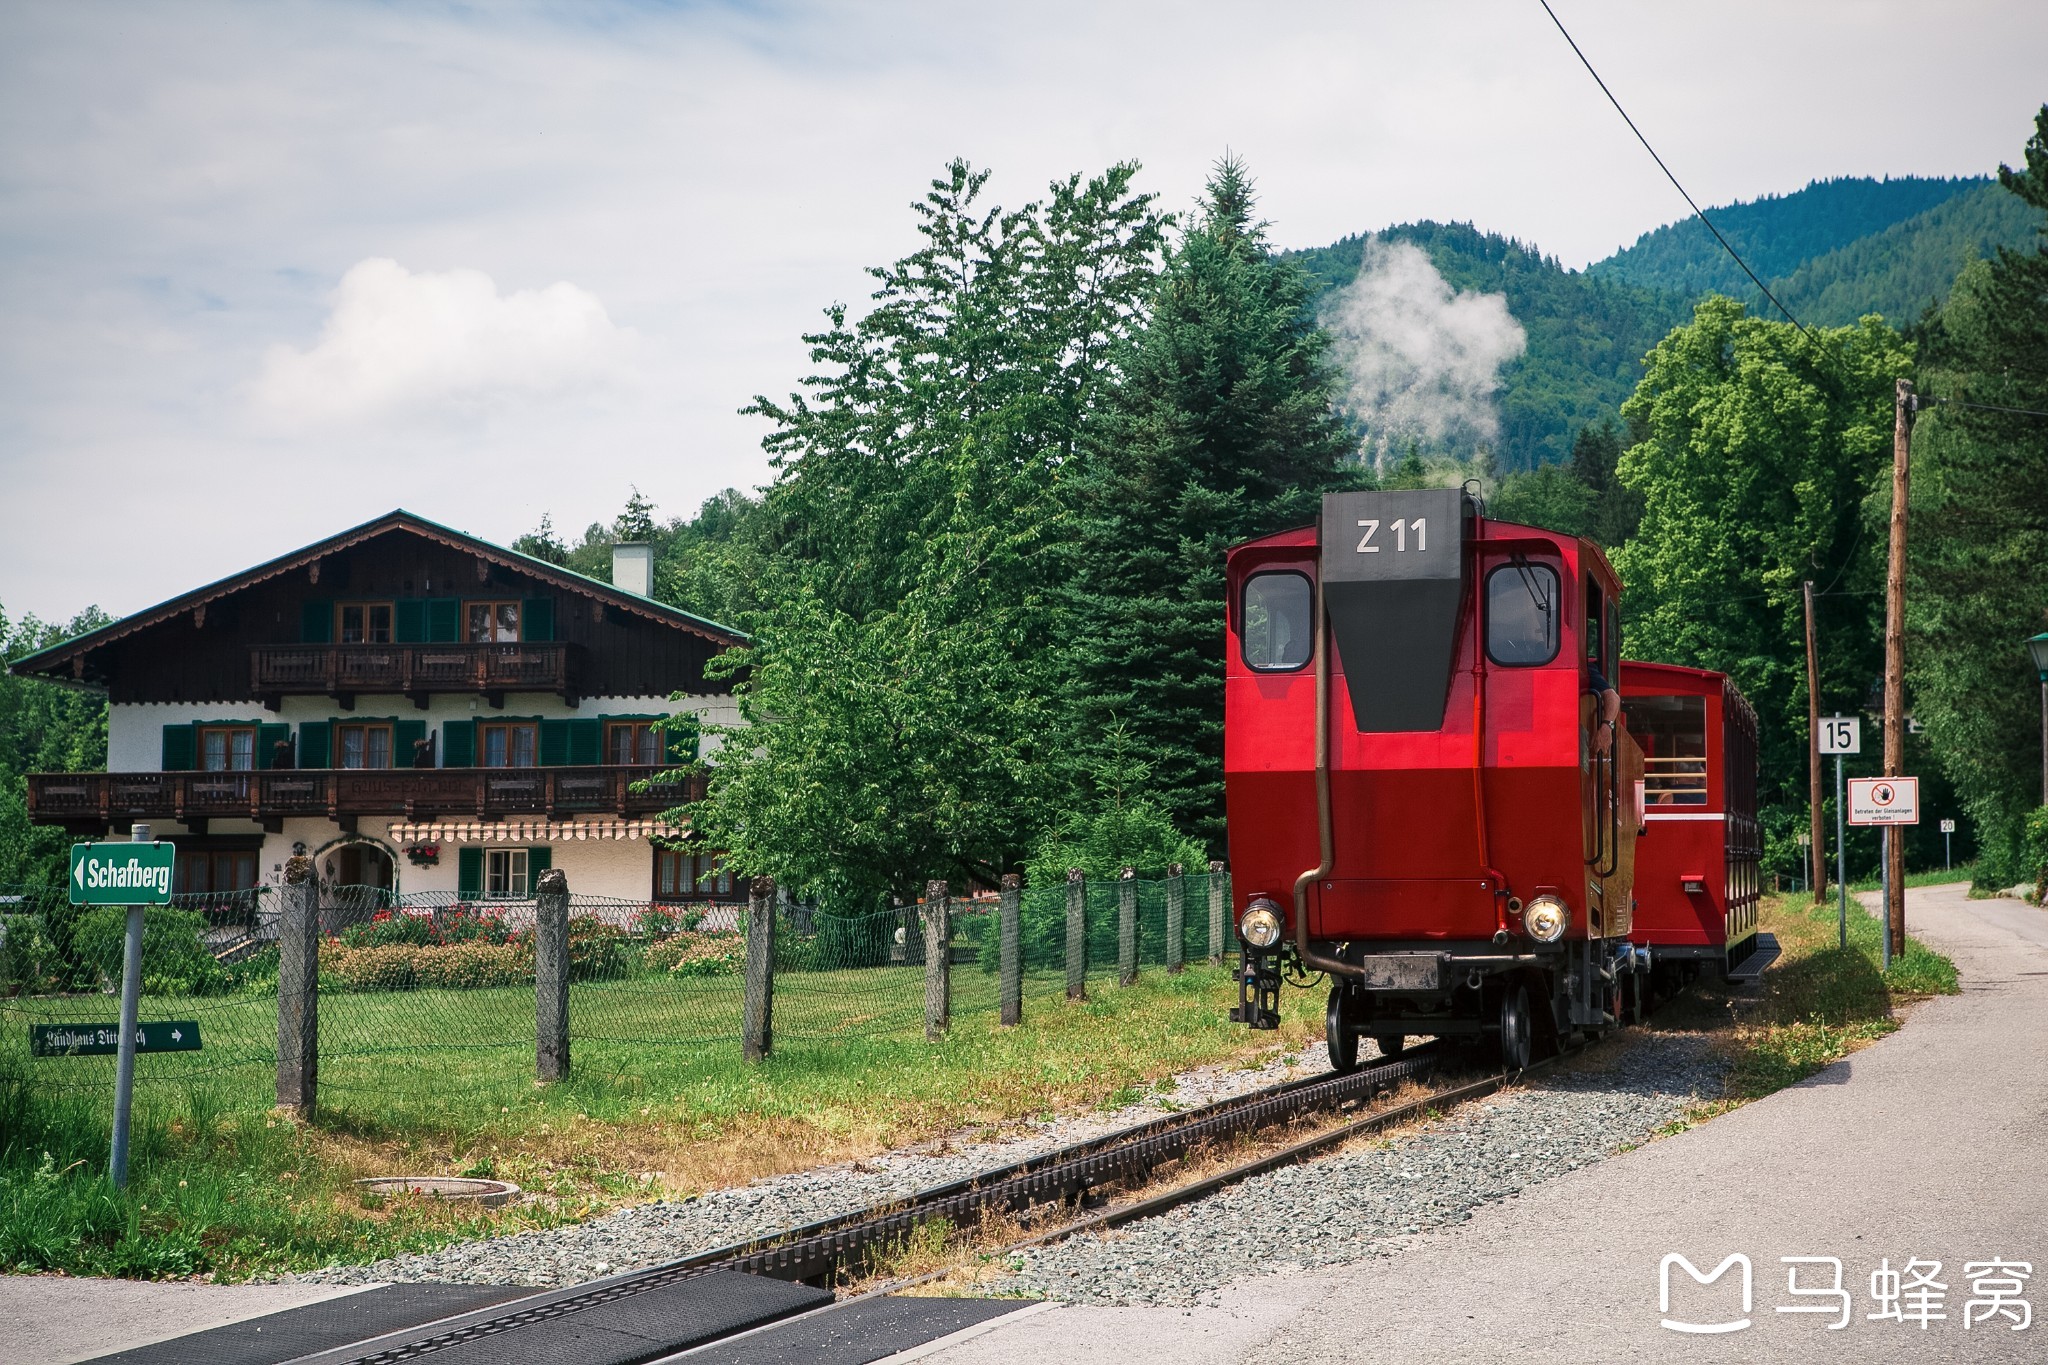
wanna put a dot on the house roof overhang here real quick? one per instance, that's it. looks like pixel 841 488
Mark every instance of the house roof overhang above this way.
pixel 67 661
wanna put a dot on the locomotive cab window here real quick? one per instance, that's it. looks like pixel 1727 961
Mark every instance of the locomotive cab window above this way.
pixel 1277 622
pixel 1521 614
pixel 1673 734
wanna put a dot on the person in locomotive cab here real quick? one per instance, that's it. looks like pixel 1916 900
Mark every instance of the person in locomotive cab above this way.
pixel 1607 710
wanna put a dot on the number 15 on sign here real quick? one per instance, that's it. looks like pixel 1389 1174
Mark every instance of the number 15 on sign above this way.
pixel 1841 735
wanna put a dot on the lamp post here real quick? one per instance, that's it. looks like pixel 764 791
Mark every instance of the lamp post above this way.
pixel 2038 647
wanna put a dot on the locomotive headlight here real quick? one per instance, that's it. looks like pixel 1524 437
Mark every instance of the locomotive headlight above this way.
pixel 1546 918
pixel 1261 926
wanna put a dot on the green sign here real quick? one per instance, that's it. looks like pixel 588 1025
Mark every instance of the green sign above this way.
pixel 121 874
pixel 103 1040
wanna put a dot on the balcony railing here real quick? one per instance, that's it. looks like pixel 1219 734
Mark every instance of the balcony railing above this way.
pixel 343 670
pixel 414 793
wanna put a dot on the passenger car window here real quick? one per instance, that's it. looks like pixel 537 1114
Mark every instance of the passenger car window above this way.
pixel 1276 627
pixel 1673 734
pixel 1521 614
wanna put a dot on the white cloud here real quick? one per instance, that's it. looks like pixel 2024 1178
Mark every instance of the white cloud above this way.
pixel 400 345
pixel 1421 360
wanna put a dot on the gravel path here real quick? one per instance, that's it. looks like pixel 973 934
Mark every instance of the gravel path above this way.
pixel 649 1234
pixel 1361 1204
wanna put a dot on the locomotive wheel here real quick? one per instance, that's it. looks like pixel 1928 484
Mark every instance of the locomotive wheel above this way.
pixel 1514 1028
pixel 1337 1031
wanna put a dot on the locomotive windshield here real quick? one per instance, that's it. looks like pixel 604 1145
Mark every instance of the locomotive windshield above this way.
pixel 1278 627
pixel 1521 614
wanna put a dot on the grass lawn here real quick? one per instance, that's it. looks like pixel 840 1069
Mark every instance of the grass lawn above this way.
pixel 659 1104
pixel 1819 1003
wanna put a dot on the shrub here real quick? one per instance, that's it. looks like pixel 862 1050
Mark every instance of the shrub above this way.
pixel 387 927
pixel 470 966
pixel 698 955
pixel 29 960
pixel 174 959
pixel 385 968
pixel 597 951
pixel 465 925
pixel 255 974
pixel 2035 843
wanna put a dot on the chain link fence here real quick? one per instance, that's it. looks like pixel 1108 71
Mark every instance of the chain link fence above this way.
pixel 425 996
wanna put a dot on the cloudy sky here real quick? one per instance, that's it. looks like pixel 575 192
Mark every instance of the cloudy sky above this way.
pixel 269 269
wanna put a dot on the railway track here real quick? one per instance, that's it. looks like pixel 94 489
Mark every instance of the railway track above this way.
pixel 1038 1192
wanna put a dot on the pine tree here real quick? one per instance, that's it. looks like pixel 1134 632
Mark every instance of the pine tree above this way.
pixel 1980 554
pixel 1221 430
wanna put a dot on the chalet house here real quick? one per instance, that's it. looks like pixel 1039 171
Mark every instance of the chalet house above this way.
pixel 420 710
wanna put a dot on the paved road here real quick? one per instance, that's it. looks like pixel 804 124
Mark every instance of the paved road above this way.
pixel 1933 1143
pixel 52 1319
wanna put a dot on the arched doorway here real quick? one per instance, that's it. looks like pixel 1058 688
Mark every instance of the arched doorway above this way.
pixel 360 865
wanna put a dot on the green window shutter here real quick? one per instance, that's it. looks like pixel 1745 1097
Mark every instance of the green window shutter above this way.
pixel 444 620
pixel 469 873
pixel 586 742
pixel 679 736
pixel 180 748
pixel 267 736
pixel 458 744
pixel 316 623
pixel 538 860
pixel 554 742
pixel 537 619
pixel 409 621
pixel 316 743
pixel 405 734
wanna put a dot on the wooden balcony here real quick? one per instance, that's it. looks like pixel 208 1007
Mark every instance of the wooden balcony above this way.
pixel 417 671
pixel 98 801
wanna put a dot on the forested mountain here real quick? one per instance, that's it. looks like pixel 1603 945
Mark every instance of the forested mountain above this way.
pixel 1775 234
pixel 1832 252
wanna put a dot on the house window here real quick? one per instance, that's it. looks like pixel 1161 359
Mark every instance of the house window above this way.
pixel 227 748
pixel 671 875
pixel 505 874
pixel 507 744
pixel 494 622
pixel 632 742
pixel 713 877
pixel 363 623
pixel 362 746
pixel 206 871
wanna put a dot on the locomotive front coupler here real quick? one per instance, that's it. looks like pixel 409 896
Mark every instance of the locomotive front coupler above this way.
pixel 1258 988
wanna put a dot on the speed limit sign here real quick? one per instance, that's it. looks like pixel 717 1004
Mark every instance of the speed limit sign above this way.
pixel 1841 735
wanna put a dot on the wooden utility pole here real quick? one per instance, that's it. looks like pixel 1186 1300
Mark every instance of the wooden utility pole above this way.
pixel 1818 853
pixel 1904 405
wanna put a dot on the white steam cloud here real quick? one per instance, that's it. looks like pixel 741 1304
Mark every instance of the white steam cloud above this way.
pixel 1421 360
pixel 403 345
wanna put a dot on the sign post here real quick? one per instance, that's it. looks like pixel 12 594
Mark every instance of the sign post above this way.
pixel 1885 802
pixel 124 874
pixel 1840 736
pixel 1948 833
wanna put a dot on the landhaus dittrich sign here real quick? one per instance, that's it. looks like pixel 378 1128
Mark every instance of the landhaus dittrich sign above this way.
pixel 103 1040
pixel 122 874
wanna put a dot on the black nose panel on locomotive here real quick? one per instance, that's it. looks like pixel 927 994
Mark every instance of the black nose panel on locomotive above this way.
pixel 1393 567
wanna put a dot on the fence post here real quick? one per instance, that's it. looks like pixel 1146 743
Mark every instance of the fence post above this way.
pixel 1011 928
pixel 1176 918
pixel 551 975
pixel 1216 925
pixel 1077 934
pixel 938 960
pixel 757 1022
pixel 1127 927
pixel 298 987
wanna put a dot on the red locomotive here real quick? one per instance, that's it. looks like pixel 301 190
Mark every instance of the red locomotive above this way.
pixel 1696 864
pixel 1420 803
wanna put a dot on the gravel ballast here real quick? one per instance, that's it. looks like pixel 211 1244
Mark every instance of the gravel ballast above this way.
pixel 1362 1203
pixel 649 1234
pixel 1341 1209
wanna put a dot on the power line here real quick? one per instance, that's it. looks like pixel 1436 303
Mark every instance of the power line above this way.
pixel 1982 407
pixel 1697 213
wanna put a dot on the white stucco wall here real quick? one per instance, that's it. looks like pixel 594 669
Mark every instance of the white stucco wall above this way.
pixel 135 729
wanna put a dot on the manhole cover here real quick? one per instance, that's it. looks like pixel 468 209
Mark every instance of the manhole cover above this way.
pixel 488 1193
